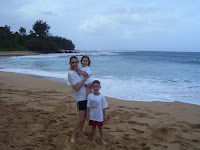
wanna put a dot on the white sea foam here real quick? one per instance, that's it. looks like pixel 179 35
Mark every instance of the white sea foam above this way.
pixel 133 89
pixel 146 90
pixel 61 75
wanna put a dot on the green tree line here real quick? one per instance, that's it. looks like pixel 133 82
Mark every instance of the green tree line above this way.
pixel 39 39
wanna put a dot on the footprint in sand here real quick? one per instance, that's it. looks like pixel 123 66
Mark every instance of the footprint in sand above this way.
pixel 29 146
pixel 138 131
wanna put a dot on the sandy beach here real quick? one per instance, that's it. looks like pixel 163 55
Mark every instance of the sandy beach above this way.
pixel 38 114
pixel 17 53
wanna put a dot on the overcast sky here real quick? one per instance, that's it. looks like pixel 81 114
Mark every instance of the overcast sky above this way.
pixel 151 25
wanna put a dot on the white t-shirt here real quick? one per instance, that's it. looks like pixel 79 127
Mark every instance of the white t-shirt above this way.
pixel 75 78
pixel 89 72
pixel 96 104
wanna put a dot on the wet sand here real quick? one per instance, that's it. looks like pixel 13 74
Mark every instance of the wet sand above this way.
pixel 39 114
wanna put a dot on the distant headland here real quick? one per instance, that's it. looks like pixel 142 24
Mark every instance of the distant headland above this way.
pixel 39 40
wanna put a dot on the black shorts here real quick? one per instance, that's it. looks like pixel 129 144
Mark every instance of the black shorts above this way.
pixel 82 105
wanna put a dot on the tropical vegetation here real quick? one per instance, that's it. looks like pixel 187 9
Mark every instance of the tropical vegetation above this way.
pixel 39 39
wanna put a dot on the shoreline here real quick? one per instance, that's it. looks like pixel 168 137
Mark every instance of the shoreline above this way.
pixel 66 81
pixel 175 87
pixel 24 53
pixel 35 111
pixel 17 53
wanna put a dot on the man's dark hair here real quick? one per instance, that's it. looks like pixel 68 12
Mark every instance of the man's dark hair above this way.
pixel 72 58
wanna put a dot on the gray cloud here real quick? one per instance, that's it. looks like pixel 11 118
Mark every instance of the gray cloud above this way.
pixel 133 23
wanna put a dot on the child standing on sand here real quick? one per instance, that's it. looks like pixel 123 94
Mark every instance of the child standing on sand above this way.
pixel 85 70
pixel 96 113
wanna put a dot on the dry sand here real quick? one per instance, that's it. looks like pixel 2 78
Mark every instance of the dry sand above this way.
pixel 39 114
pixel 17 53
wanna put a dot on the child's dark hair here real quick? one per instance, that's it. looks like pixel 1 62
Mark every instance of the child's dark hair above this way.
pixel 96 81
pixel 85 56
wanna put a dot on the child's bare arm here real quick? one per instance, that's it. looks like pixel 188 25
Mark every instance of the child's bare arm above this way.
pixel 104 114
pixel 82 72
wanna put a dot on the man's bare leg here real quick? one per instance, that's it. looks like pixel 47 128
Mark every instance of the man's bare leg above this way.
pixel 78 125
pixel 80 132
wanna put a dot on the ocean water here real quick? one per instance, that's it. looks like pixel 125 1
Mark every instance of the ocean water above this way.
pixel 128 75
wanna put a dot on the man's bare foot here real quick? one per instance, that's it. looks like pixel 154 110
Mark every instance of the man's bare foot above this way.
pixel 72 140
pixel 94 141
pixel 83 136
pixel 102 140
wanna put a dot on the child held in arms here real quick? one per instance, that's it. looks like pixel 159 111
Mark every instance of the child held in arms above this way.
pixel 85 70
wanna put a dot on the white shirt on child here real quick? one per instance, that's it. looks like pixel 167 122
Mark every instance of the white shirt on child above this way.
pixel 75 78
pixel 89 72
pixel 96 104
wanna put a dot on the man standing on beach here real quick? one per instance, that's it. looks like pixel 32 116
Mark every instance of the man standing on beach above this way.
pixel 79 90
